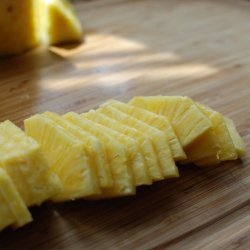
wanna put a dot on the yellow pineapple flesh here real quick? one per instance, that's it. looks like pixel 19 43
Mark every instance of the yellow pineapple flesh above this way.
pixel 135 159
pixel 156 121
pixel 122 176
pixel 22 159
pixel 93 146
pixel 13 210
pixel 167 167
pixel 17 26
pixel 147 173
pixel 227 150
pixel 67 157
pixel 236 138
pixel 187 120
pixel 58 22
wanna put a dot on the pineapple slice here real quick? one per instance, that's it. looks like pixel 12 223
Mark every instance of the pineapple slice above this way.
pixel 167 165
pixel 193 128
pixel 135 159
pixel 23 160
pixel 227 150
pixel 237 140
pixel 122 177
pixel 156 121
pixel 187 120
pixel 93 146
pixel 145 144
pixel 17 26
pixel 67 157
pixel 13 210
pixel 58 22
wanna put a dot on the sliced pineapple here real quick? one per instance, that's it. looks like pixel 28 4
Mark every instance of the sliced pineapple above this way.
pixel 135 159
pixel 237 140
pixel 167 167
pixel 67 157
pixel 148 173
pixel 227 150
pixel 122 176
pixel 28 168
pixel 13 210
pixel 58 22
pixel 93 146
pixel 193 128
pixel 156 121
pixel 17 26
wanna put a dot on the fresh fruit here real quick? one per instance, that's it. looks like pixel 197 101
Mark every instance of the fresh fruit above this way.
pixel 17 26
pixel 116 154
pixel 67 157
pixel 147 173
pixel 156 121
pixel 22 159
pixel 167 167
pixel 58 22
pixel 135 159
pixel 13 210
pixel 27 23
pixel 227 150
pixel 192 127
pixel 93 146
pixel 237 140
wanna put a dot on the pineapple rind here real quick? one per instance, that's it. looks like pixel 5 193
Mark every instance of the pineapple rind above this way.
pixel 67 157
pixel 13 210
pixel 159 122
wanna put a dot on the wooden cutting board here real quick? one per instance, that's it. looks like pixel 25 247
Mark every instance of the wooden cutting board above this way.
pixel 173 47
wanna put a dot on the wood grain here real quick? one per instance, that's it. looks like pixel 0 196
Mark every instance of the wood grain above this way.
pixel 173 47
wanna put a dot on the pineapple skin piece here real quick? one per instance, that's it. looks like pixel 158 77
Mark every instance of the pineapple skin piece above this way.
pixel 22 159
pixel 236 138
pixel 93 146
pixel 58 22
pixel 17 27
pixel 159 122
pixel 67 157
pixel 135 159
pixel 167 167
pixel 13 210
pixel 122 176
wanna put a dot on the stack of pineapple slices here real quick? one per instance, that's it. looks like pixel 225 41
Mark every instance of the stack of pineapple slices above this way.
pixel 107 152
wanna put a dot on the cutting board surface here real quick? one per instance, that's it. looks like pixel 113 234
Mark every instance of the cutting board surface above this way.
pixel 170 47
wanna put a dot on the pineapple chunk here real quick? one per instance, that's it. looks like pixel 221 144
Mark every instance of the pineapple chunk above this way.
pixel 167 167
pixel 67 157
pixel 156 121
pixel 22 159
pixel 135 159
pixel 237 140
pixel 187 120
pixel 193 128
pixel 227 150
pixel 93 146
pixel 58 22
pixel 13 210
pixel 122 177
pixel 17 26
pixel 148 173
